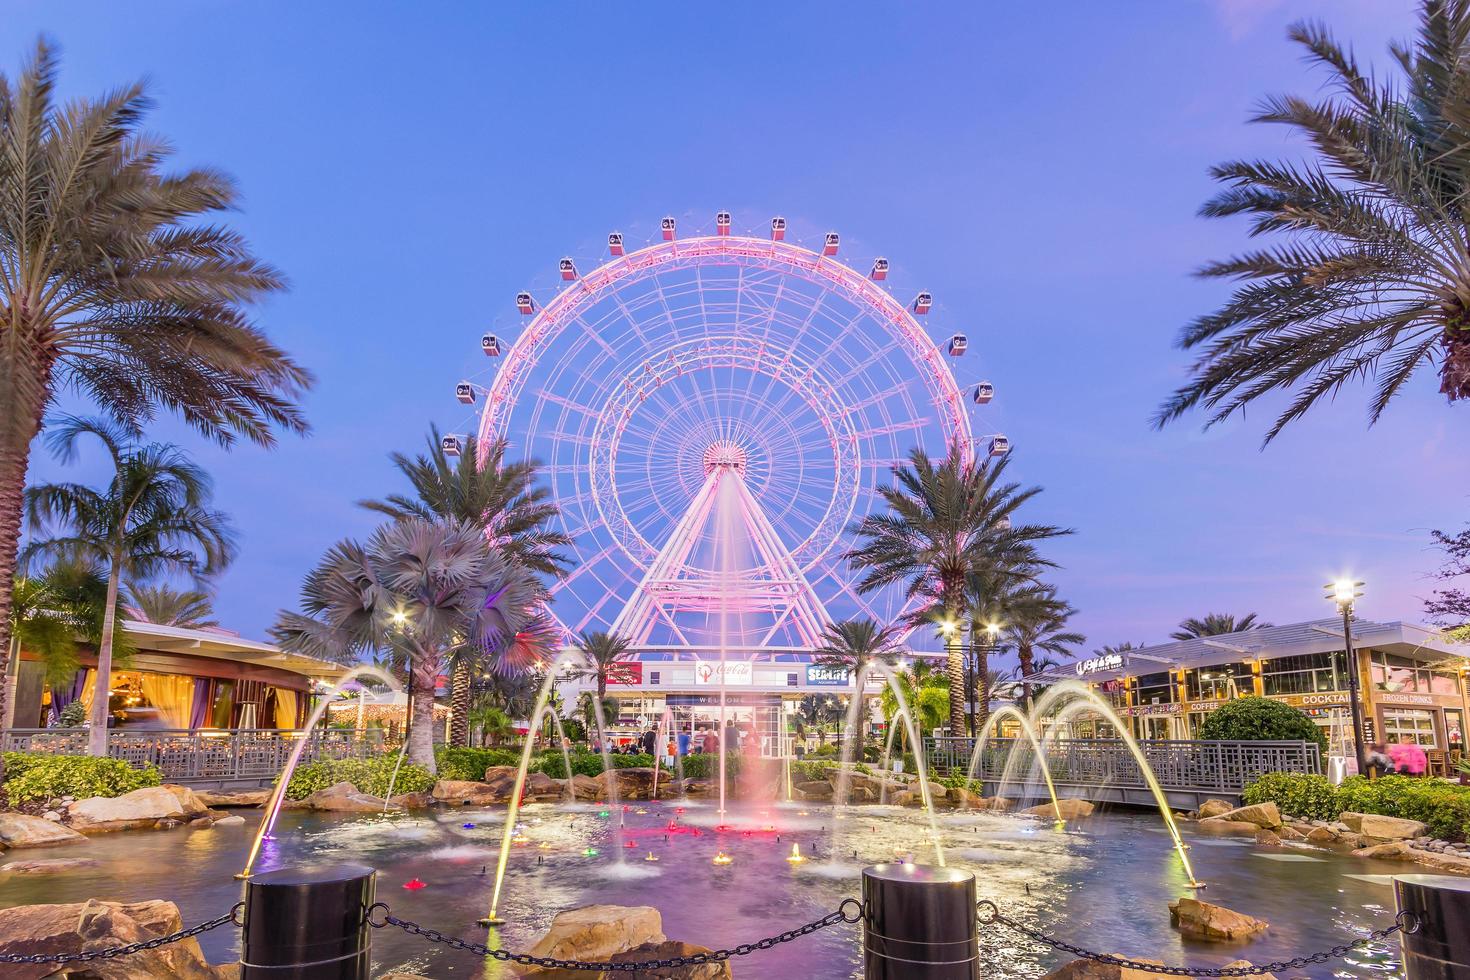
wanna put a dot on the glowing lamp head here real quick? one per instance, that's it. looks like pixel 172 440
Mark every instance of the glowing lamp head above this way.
pixel 993 629
pixel 725 455
pixel 1344 591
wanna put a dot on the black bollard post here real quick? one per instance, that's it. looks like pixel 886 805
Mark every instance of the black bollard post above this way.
pixel 1439 905
pixel 308 923
pixel 919 923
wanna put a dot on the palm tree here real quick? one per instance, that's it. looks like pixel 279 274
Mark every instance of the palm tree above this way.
pixel 111 285
pixel 943 521
pixel 1369 276
pixel 1041 628
pixel 601 651
pixel 166 606
pixel 153 517
pixel 514 657
pixel 420 590
pixel 858 645
pixel 925 691
pixel 503 498
pixel 1216 624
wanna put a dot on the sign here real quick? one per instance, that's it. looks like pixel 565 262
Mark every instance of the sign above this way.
pixel 625 672
pixel 826 675
pixel 1311 700
pixel 731 672
pixel 1108 661
pixel 732 700
pixel 1385 697
pixel 1205 705
pixel 1140 710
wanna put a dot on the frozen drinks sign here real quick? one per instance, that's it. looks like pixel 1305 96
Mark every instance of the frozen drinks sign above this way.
pixel 1108 661
pixel 826 675
pixel 734 673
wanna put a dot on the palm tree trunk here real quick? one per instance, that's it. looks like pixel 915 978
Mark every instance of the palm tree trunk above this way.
pixel 982 689
pixel 420 735
pixel 1027 657
pixel 459 705
pixel 955 669
pixel 102 682
pixel 22 402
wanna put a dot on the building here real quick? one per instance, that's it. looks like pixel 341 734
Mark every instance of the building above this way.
pixel 181 678
pixel 1413 682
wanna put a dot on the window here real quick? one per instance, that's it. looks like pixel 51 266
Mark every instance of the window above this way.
pixel 791 680
pixel 1156 688
pixel 1306 674
pixel 1394 673
pixel 1417 725
pixel 652 678
pixel 1219 683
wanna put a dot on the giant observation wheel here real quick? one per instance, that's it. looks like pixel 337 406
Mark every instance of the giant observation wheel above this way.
pixel 642 372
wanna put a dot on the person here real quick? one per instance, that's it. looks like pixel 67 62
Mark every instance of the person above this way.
pixel 681 743
pixel 650 740
pixel 732 737
pixel 711 741
pixel 1409 758
pixel 1378 761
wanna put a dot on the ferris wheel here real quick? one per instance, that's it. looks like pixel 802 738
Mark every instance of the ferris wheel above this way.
pixel 654 367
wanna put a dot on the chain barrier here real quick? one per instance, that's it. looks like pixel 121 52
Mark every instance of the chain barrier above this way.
pixel 850 911
pixel 1406 922
pixel 113 952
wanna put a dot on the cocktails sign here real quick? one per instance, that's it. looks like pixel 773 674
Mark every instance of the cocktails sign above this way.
pixel 733 672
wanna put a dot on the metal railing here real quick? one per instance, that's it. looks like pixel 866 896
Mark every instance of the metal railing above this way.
pixel 233 755
pixel 1188 766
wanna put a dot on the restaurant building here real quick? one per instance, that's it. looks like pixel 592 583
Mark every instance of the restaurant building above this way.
pixel 1412 681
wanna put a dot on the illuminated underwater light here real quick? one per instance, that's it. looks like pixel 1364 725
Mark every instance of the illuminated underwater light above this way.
pixel 723 858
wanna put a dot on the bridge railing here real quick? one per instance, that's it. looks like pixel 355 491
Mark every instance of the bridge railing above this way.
pixel 1200 766
pixel 210 755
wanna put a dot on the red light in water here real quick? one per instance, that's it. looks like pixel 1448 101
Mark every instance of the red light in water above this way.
pixel 413 884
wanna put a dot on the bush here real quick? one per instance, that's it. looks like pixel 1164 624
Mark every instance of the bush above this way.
pixel 810 772
pixel 705 766
pixel 465 763
pixel 370 776
pixel 1299 794
pixel 1260 720
pixel 31 777
pixel 826 748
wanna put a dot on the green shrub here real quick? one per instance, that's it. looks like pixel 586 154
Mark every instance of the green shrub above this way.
pixel 705 766
pixel 826 748
pixel 465 763
pixel 1260 720
pixel 31 777
pixel 1298 794
pixel 370 776
pixel 810 772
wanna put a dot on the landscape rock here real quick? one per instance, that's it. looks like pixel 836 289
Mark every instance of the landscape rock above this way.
pixel 1215 808
pixel 1093 970
pixel 1393 850
pixel 542 788
pixel 138 809
pixel 1439 860
pixel 24 830
pixel 814 790
pixel 1261 814
pixel 999 803
pixel 1384 828
pixel 51 815
pixel 189 801
pixel 1213 923
pixel 344 797
pixel 49 866
pixel 1289 832
pixel 232 820
pixel 233 797
pixel 586 787
pixel 631 784
pixel 1268 838
pixel 1321 835
pixel 412 801
pixel 596 932
pixel 79 927
pixel 1219 825
pixel 471 793
pixel 1070 810
pixel 668 949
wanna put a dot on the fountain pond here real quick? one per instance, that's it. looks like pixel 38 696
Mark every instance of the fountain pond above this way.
pixel 1103 883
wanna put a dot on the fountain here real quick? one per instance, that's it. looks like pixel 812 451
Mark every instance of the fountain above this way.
pixel 1029 730
pixel 278 796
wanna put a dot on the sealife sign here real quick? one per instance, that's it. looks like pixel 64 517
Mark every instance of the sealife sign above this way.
pixel 1107 661
pixel 826 675
pixel 731 672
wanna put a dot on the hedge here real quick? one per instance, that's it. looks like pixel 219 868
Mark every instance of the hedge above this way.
pixel 1442 807
pixel 470 764
pixel 31 777
pixel 1256 719
pixel 370 776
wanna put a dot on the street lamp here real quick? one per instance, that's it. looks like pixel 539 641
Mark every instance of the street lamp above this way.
pixel 1344 592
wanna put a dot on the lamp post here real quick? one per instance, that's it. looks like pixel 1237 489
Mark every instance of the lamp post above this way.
pixel 992 634
pixel 1344 592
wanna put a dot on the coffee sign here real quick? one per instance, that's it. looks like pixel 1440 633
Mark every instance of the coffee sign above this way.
pixel 1108 661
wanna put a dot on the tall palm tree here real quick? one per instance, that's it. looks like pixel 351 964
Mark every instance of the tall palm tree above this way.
pixel 480 488
pixel 1216 624
pixel 165 605
pixel 153 517
pixel 600 651
pixel 1369 275
pixel 514 657
pixel 421 590
pixel 858 645
pixel 118 280
pixel 944 520
pixel 1041 628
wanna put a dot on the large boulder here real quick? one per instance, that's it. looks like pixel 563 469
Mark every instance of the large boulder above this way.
pixel 596 932
pixel 1093 970
pixel 1384 828
pixel 1214 808
pixel 1213 923
pixel 24 830
pixel 76 928
pixel 1220 825
pixel 815 790
pixel 189 800
pixel 49 866
pixel 634 783
pixel 541 788
pixel 666 950
pixel 1070 810
pixel 140 808
pixel 344 797
pixel 1394 850
pixel 471 793
pixel 585 787
pixel 233 797
pixel 1261 814
pixel 1455 863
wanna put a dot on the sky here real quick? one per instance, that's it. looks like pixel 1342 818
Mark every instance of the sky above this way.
pixel 411 166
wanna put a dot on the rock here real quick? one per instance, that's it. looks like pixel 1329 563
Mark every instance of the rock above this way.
pixel 1289 832
pixel 586 787
pixel 1093 970
pixel 412 801
pixel 138 809
pixel 1070 809
pixel 1440 861
pixel 1219 825
pixel 1268 838
pixel 232 820
pixel 51 815
pixel 634 783
pixel 1214 808
pixel 471 793
pixel 189 801
pixel 1322 835
pixel 1393 850
pixel 1213 923
pixel 999 803
pixel 233 797
pixel 814 790
pixel 24 830
pixel 75 928
pixel 668 949
pixel 47 867
pixel 344 797
pixel 596 932
pixel 1384 828
pixel 542 788
pixel 167 823
pixel 1261 814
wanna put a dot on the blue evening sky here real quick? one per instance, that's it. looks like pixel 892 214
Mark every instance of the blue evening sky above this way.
pixel 1038 167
